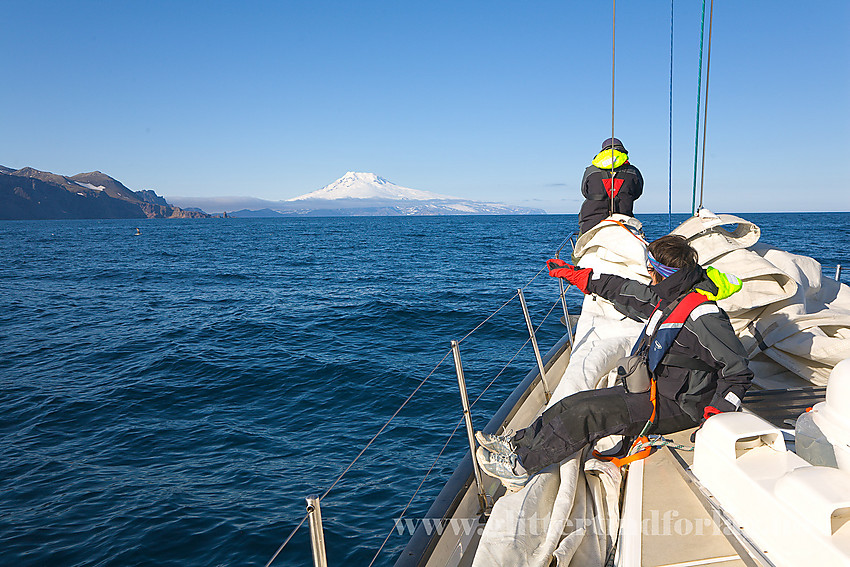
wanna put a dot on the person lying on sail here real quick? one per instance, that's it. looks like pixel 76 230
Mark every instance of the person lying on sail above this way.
pixel 610 185
pixel 695 366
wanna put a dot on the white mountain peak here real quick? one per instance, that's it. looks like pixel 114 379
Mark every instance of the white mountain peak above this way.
pixel 356 185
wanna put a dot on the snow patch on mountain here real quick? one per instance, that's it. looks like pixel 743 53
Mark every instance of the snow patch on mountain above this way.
pixel 355 185
pixel 90 186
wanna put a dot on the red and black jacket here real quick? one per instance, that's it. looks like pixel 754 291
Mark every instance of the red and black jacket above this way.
pixel 596 186
pixel 719 375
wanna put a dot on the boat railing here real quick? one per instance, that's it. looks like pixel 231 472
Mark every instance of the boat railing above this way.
pixel 313 513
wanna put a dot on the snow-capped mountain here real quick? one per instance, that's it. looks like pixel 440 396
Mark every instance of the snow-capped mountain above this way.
pixel 357 194
pixel 354 185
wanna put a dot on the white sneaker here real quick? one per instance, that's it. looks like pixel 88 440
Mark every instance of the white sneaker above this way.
pixel 506 468
pixel 501 444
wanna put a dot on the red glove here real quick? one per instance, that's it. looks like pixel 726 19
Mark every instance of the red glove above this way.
pixel 578 277
pixel 710 411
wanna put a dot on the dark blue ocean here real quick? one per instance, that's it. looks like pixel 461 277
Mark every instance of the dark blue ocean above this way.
pixel 171 398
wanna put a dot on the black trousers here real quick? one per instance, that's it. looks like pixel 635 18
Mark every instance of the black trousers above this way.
pixel 590 415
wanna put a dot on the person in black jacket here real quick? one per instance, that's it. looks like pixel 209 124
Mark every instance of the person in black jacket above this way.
pixel 610 185
pixel 703 371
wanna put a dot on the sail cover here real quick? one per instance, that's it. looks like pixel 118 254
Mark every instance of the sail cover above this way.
pixel 790 318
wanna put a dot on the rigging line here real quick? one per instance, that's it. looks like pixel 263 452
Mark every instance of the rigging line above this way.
pixel 369 444
pixel 418 488
pixel 558 302
pixel 279 549
pixel 670 165
pixel 540 271
pixel 505 304
pixel 705 107
pixel 493 314
pixel 613 68
pixel 505 367
pixel 516 354
pixel 699 92
pixel 422 383
pixel 451 436
pixel 446 444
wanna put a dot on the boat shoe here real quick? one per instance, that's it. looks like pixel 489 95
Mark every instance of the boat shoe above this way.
pixel 506 468
pixel 501 444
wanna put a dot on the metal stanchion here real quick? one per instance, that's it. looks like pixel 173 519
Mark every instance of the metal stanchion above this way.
pixel 564 293
pixel 566 312
pixel 317 534
pixel 546 391
pixel 838 272
pixel 467 417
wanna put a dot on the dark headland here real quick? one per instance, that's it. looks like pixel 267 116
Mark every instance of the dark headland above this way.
pixel 30 194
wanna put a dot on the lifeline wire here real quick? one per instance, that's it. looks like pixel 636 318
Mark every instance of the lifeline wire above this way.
pixel 481 324
pixel 505 304
pixel 279 549
pixel 446 444
pixel 422 383
pixel 451 436
pixel 369 444
pixel 699 92
pixel 505 367
pixel 418 488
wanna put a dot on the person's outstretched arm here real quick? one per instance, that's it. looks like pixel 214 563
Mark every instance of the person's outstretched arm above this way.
pixel 630 297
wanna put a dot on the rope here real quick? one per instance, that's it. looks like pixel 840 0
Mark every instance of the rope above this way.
pixel 505 304
pixel 481 324
pixel 613 68
pixel 451 436
pixel 660 441
pixel 360 454
pixel 372 440
pixel 418 488
pixel 279 549
pixel 627 229
pixel 699 92
pixel 670 166
pixel 397 411
pixel 705 108
pixel 505 367
pixel 422 383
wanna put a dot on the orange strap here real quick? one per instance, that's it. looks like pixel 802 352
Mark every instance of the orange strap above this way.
pixel 627 229
pixel 646 451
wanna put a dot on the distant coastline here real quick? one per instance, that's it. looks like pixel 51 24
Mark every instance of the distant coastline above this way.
pixel 30 194
pixel 357 194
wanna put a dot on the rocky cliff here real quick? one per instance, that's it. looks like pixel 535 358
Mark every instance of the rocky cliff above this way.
pixel 32 194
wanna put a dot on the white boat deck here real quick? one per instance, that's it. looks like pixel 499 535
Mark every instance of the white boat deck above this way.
pixel 676 529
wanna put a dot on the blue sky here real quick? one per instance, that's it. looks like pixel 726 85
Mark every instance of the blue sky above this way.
pixel 502 101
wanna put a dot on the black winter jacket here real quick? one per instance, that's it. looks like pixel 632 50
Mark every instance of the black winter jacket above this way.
pixel 597 204
pixel 707 335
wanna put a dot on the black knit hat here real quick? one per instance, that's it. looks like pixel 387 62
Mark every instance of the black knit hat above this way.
pixel 618 145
